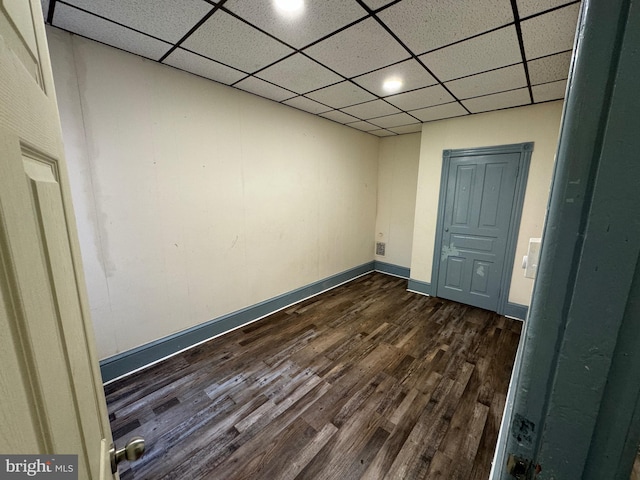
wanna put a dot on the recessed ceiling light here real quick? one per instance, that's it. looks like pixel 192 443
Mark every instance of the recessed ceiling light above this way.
pixel 289 7
pixel 392 84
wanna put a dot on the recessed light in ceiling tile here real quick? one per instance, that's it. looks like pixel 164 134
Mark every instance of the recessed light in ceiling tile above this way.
pixel 485 52
pixel 307 105
pixel 425 97
pixel 264 89
pixel 549 69
pixel 392 85
pixel 360 48
pixel 289 8
pixel 412 74
pixel 514 98
pixel 426 25
pixel 204 67
pixel 165 19
pixel 439 112
pixel 300 74
pixel 550 33
pixel 549 91
pixel 228 40
pixel 393 120
pixel 507 78
pixel 96 28
pixel 341 95
pixel 527 8
pixel 367 110
pixel 319 20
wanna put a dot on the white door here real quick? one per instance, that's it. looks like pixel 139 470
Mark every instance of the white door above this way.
pixel 51 394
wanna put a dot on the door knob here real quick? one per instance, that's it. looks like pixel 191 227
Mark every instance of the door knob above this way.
pixel 446 229
pixel 132 451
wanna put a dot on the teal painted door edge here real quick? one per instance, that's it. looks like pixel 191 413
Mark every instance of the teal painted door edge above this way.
pixel 574 403
pixel 136 358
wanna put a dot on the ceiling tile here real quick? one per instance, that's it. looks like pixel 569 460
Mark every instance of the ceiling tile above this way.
pixel 416 127
pixel 427 25
pixel 549 69
pixel 361 48
pixel 165 19
pixel 486 52
pixel 341 95
pixel 376 4
pixel 45 8
pixel 425 97
pixel 550 33
pixel 338 116
pixel 393 120
pixel 264 89
pixel 228 40
pixel 90 26
pixel 377 108
pixel 506 78
pixel 307 105
pixel 549 91
pixel 382 133
pixel 318 19
pixel 412 74
pixel 204 67
pixel 513 98
pixel 439 112
pixel 364 126
pixel 300 74
pixel 531 7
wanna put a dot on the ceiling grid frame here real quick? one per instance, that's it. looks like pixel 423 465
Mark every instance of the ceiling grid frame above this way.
pixel 545 75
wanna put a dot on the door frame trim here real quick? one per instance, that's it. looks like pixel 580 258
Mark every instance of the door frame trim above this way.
pixel 525 150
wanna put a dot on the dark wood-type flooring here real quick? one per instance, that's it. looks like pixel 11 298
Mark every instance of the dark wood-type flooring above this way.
pixel 366 381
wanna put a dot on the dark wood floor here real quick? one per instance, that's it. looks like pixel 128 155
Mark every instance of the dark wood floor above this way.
pixel 365 381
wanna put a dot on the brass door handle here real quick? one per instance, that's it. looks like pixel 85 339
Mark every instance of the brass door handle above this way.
pixel 132 451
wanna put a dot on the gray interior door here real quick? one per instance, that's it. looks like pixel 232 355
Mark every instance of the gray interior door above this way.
pixel 478 207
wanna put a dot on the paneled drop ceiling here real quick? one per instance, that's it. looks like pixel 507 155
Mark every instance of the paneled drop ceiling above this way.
pixel 331 58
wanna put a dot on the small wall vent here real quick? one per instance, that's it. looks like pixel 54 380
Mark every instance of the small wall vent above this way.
pixel 380 246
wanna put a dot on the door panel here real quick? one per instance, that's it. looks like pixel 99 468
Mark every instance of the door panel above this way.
pixel 51 389
pixel 477 215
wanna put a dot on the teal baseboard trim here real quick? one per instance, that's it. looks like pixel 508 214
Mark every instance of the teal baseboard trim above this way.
pixel 419 287
pixel 391 269
pixel 127 362
pixel 516 310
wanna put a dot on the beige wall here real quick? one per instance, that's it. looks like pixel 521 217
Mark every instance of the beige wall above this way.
pixel 397 184
pixel 194 199
pixel 537 123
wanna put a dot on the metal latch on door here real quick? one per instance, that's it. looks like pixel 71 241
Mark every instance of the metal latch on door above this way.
pixel 132 451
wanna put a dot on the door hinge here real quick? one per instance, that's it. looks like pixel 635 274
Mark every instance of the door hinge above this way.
pixel 522 468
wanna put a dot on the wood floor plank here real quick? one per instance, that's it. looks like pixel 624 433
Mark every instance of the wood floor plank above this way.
pixel 364 381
